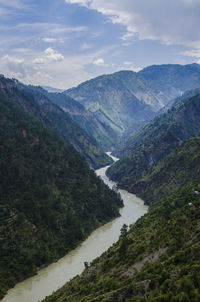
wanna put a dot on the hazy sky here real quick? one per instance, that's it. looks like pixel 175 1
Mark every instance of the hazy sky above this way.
pixel 61 43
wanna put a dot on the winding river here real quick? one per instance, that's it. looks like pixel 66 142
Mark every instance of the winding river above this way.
pixel 54 276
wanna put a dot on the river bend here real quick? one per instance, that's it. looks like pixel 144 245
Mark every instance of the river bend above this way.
pixel 55 275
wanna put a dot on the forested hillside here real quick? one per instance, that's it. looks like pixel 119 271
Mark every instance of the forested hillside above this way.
pixel 155 141
pixel 172 79
pixel 156 260
pixel 121 100
pixel 49 198
pixel 106 136
pixel 34 100
pixel 179 168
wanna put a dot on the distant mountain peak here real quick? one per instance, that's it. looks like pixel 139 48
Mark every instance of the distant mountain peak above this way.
pixel 52 89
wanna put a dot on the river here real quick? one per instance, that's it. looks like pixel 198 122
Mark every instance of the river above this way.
pixel 55 275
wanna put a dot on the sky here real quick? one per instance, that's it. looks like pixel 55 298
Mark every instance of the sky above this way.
pixel 61 43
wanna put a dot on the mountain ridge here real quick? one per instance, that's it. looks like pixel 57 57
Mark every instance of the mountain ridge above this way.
pixel 33 99
pixel 155 141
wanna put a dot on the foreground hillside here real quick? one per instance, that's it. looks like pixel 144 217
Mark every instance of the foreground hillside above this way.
pixel 157 260
pixel 35 101
pixel 155 141
pixel 49 198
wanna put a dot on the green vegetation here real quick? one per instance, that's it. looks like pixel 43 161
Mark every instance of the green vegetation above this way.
pixel 49 198
pixel 35 101
pixel 105 136
pixel 172 79
pixel 120 100
pixel 155 141
pixel 157 260
pixel 179 168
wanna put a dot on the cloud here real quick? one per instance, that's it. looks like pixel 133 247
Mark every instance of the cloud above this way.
pixel 49 40
pixel 13 7
pixel 21 50
pixel 128 63
pixel 39 61
pixel 16 4
pixel 14 65
pixel 171 22
pixel 99 62
pixel 49 55
pixel 53 55
pixel 192 53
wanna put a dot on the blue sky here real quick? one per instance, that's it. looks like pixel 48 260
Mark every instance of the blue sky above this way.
pixel 62 43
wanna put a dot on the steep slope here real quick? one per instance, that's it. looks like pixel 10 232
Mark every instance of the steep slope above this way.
pixel 155 141
pixel 36 102
pixel 171 79
pixel 157 260
pixel 179 168
pixel 186 95
pixel 122 99
pixel 105 136
pixel 49 198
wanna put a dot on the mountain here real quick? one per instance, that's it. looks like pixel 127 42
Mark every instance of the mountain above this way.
pixel 172 79
pixel 50 199
pixel 186 95
pixel 126 100
pixel 52 89
pixel 156 260
pixel 177 169
pixel 122 99
pixel 105 136
pixel 155 141
pixel 34 100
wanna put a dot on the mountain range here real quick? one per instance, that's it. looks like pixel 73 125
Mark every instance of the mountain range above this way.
pixel 51 199
pixel 158 258
pixel 155 141
pixel 126 100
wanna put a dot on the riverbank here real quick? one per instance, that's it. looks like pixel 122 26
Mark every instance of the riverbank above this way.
pixel 57 274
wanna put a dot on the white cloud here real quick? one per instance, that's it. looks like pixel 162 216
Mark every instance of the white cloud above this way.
pixel 21 50
pixel 39 61
pixel 129 66
pixel 171 22
pixel 49 55
pixel 128 63
pixel 192 53
pixel 49 40
pixel 99 62
pixel 12 59
pixel 82 2
pixel 14 65
pixel 53 55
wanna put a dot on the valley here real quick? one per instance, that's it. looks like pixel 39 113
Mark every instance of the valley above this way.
pixel 67 203
pixel 54 276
